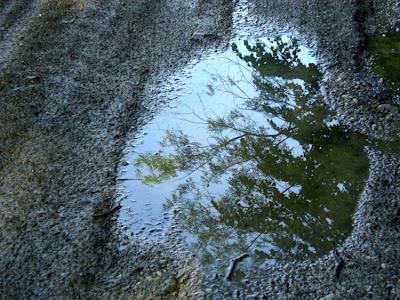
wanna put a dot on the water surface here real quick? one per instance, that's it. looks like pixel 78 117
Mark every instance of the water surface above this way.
pixel 248 160
pixel 385 52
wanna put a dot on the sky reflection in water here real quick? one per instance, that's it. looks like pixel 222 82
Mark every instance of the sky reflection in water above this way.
pixel 249 160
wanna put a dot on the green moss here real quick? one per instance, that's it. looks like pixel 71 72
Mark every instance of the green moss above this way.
pixel 6 80
pixel 385 50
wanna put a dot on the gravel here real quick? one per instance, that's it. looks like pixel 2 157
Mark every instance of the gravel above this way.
pixel 73 83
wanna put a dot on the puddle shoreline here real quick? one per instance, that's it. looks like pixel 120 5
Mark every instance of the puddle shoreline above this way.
pixel 256 276
pixel 221 86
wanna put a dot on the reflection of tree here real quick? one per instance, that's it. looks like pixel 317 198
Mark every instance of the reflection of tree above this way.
pixel 292 178
pixel 385 51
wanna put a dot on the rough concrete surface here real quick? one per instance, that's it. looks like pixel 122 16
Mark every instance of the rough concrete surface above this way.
pixel 73 77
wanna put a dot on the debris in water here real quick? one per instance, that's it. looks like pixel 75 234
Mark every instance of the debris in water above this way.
pixel 233 265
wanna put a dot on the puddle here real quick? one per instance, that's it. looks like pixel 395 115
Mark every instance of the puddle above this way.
pixel 247 160
pixel 385 51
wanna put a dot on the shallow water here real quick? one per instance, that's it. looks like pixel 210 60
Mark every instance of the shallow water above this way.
pixel 247 160
pixel 385 52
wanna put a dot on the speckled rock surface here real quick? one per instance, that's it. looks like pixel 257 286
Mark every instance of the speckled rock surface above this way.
pixel 71 83
pixel 73 89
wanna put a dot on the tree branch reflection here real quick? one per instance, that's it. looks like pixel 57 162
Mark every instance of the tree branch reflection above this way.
pixel 277 167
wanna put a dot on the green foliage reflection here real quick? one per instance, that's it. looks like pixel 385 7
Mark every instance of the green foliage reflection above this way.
pixel 385 51
pixel 291 180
